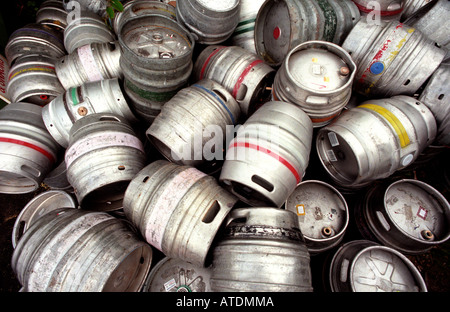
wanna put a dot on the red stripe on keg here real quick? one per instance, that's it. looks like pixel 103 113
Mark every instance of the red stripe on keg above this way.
pixel 270 153
pixel 202 72
pixel 382 13
pixel 243 75
pixel 32 146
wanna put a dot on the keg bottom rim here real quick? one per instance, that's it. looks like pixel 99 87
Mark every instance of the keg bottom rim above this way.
pixel 108 197
pixel 15 183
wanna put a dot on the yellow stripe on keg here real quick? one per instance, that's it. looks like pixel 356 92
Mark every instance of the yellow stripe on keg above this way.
pixel 393 120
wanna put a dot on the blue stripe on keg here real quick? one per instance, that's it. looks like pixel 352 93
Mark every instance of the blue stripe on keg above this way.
pixel 218 99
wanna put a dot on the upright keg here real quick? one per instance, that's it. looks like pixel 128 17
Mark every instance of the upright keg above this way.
pixel 27 150
pixel 85 29
pixel 103 156
pixel 180 131
pixel 33 79
pixel 156 61
pixel 241 72
pixel 282 25
pixel 408 215
pixel 364 266
pixel 71 250
pixel 92 62
pixel 178 209
pixel 175 275
pixel 380 10
pixel 104 96
pixel 318 77
pixel 261 250
pixel 322 214
pixel 35 39
pixel 375 139
pixel 392 59
pixel 53 14
pixel 244 33
pixel 212 22
pixel 269 155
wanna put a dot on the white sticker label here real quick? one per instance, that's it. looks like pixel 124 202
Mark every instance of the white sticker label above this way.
pixel 170 284
pixel 331 155
pixel 333 139
pixel 89 64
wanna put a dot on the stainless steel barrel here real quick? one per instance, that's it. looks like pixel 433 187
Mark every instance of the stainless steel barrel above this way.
pixel 282 25
pixel 71 250
pixel 28 152
pixel 412 6
pixel 181 131
pixel 392 59
pixel 104 96
pixel 322 212
pixel 212 22
pixel 375 139
pixel 380 10
pixel 53 14
pixel 408 215
pixel 269 155
pixel 364 266
pixel 244 75
pixel 103 155
pixel 33 79
pixel 318 77
pixel 156 62
pixel 261 250
pixel 178 209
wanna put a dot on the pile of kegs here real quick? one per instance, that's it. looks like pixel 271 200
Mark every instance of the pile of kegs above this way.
pixel 224 139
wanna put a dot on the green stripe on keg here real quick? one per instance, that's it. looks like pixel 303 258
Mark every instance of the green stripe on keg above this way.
pixel 329 30
pixel 148 95
pixel 249 21
pixel 74 96
pixel 244 30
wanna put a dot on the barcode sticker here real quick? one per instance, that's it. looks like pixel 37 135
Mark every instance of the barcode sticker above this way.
pixel 300 210
pixel 170 284
pixel 331 155
pixel 333 139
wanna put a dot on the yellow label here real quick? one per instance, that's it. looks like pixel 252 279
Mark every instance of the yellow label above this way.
pixel 300 210
pixel 314 60
pixel 393 120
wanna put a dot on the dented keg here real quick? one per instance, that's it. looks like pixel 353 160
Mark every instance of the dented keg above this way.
pixel 318 77
pixel 261 250
pixel 180 131
pixel 380 10
pixel 92 62
pixel 175 275
pixel 53 14
pixel 35 39
pixel 32 79
pixel 322 214
pixel 85 29
pixel 392 59
pixel 156 62
pixel 364 266
pixel 38 207
pixel 28 152
pixel 212 22
pixel 242 73
pixel 71 250
pixel 269 155
pixel 178 209
pixel 408 215
pixel 282 25
pixel 375 139
pixel 103 156
pixel 104 96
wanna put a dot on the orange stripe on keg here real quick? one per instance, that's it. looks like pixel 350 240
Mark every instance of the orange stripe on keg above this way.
pixel 316 120
pixel 202 72
pixel 272 154
pixel 241 78
pixel 29 145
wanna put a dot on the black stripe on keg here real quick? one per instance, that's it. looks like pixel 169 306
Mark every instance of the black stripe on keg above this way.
pixel 330 26
pixel 242 231
pixel 149 95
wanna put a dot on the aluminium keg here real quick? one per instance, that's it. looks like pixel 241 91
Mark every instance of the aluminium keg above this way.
pixel 318 77
pixel 364 266
pixel 380 10
pixel 92 62
pixel 375 139
pixel 32 79
pixel 412 6
pixel 28 152
pixel 53 14
pixel 261 249
pixel 322 214
pixel 212 22
pixel 71 250
pixel 103 155
pixel 244 75
pixel 180 131
pixel 282 25
pixel 104 96
pixel 392 59
pixel 178 209
pixel 408 215
pixel 269 155
pixel 156 62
